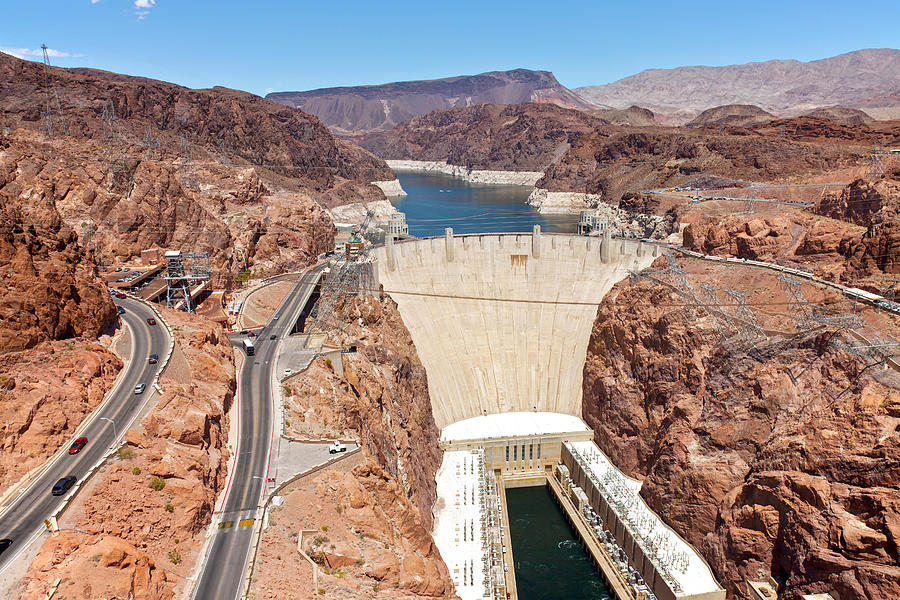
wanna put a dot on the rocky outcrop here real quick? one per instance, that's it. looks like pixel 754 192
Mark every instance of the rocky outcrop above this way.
pixel 366 537
pixel 237 124
pixel 153 500
pixel 782 458
pixel 521 137
pixel 96 566
pixel 629 161
pixel 45 394
pixel 349 110
pixel 382 399
pixel 50 290
pixel 791 238
pixel 225 210
pixel 736 115
pixel 841 114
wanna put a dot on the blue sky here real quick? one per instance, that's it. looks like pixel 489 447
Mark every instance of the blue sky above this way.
pixel 262 46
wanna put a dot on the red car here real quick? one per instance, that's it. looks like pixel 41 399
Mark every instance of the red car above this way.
pixel 77 445
pixel 120 295
pixel 151 321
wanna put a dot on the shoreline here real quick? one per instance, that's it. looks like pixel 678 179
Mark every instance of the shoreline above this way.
pixel 390 188
pixel 548 202
pixel 528 178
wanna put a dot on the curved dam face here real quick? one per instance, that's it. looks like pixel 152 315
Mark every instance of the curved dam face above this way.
pixel 501 321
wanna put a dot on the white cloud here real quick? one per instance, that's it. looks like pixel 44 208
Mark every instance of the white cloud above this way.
pixel 142 8
pixel 94 1
pixel 37 52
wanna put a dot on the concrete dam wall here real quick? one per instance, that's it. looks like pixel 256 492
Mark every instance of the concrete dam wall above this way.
pixel 501 322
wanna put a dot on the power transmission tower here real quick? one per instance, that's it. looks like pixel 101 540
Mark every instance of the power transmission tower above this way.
pixel 344 281
pixel 710 299
pixel 151 143
pixel 890 287
pixel 187 163
pixel 876 168
pixel 750 328
pixel 800 308
pixel 115 156
pixel 52 106
pixel 807 315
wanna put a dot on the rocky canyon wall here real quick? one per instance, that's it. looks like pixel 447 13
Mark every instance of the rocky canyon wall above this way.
pixel 781 457
pixel 379 395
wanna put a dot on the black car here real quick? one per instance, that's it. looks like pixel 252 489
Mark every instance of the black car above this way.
pixel 63 485
pixel 120 309
pixel 4 544
pixel 153 359
pixel 273 336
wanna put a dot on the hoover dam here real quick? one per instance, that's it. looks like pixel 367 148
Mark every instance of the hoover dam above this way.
pixel 501 323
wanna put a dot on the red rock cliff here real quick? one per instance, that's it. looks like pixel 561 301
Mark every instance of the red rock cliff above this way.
pixel 783 458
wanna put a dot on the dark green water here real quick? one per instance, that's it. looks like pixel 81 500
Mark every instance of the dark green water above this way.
pixel 437 201
pixel 549 560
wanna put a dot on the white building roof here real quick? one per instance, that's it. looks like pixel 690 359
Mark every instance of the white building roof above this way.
pixel 512 424
pixel 458 507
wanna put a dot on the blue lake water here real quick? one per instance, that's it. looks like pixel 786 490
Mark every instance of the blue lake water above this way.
pixel 549 560
pixel 436 201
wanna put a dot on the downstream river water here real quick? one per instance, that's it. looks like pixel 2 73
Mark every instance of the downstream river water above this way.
pixel 437 201
pixel 549 560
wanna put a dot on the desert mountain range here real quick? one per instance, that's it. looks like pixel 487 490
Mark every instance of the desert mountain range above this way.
pixel 349 110
pixel 865 79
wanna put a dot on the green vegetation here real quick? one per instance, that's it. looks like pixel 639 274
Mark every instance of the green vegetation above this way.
pixel 243 276
pixel 169 507
pixel 125 452
pixel 136 471
pixel 175 556
pixel 157 483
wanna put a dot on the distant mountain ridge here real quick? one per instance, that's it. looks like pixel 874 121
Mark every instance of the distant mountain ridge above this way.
pixel 866 79
pixel 360 109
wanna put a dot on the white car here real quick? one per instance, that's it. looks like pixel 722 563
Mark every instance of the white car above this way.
pixel 139 388
pixel 336 447
pixel 287 372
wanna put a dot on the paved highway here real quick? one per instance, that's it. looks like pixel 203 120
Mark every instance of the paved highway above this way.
pixel 23 516
pixel 222 575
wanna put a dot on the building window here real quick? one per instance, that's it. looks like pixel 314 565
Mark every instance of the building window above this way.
pixel 539 452
pixel 523 451
pixel 507 454
pixel 515 453
pixel 530 451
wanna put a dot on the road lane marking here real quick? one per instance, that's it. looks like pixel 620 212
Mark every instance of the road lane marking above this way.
pixel 245 522
pixel 226 524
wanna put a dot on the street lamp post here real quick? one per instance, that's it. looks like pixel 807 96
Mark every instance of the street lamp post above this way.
pixel 115 434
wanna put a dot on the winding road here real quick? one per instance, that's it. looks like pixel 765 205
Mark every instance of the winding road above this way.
pixel 22 518
pixel 222 574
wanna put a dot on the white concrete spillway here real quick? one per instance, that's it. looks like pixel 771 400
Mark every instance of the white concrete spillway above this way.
pixel 501 322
